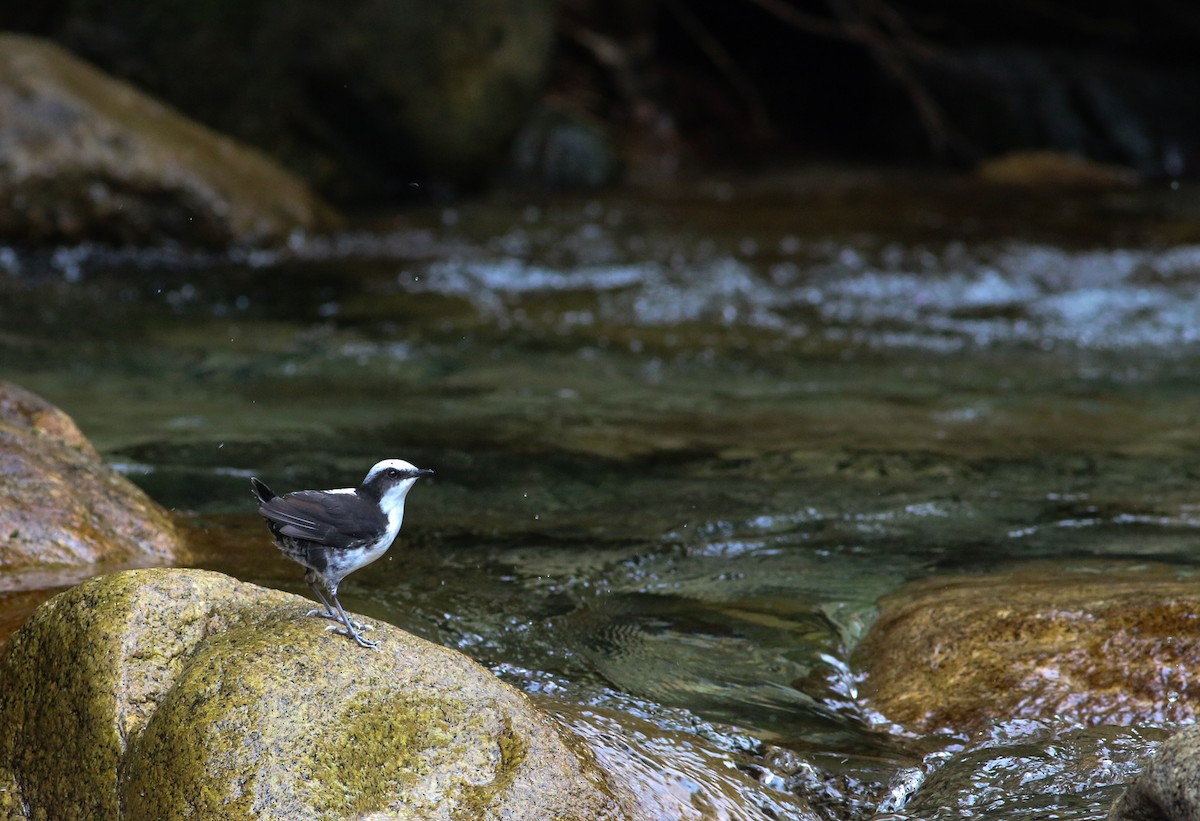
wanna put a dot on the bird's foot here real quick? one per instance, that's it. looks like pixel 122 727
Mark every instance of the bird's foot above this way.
pixel 352 633
pixel 324 614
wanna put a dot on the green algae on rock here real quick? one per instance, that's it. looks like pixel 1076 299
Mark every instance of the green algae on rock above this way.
pixel 160 693
pixel 1063 645
pixel 61 505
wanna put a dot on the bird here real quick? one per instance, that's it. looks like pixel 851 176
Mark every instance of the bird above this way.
pixel 332 533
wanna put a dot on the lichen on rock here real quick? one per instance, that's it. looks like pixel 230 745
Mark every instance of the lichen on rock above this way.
pixel 162 693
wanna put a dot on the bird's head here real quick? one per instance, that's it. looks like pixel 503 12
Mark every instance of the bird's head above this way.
pixel 390 480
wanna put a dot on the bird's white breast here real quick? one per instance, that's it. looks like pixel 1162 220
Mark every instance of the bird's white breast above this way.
pixel 392 505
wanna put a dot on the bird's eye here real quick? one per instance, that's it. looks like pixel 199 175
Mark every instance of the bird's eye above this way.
pixel 392 473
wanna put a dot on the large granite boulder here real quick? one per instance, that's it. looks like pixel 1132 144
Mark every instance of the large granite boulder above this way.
pixel 361 97
pixel 86 157
pixel 61 506
pixel 167 693
pixel 1089 645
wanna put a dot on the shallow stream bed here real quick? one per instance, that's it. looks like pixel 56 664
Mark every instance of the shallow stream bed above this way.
pixel 682 445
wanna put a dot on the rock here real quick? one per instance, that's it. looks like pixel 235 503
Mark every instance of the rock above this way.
pixel 1086 102
pixel 561 150
pixel 85 157
pixel 1168 789
pixel 440 87
pixel 361 98
pixel 1065 646
pixel 27 411
pixel 165 693
pixel 61 506
pixel 1052 169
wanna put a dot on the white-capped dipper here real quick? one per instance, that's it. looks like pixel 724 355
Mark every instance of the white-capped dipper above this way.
pixel 335 532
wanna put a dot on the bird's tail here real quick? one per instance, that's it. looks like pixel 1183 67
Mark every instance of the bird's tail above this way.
pixel 261 491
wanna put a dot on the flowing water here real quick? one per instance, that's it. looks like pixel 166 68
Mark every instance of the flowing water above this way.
pixel 682 445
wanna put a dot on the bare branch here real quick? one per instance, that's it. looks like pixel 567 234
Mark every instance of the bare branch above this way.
pixel 723 60
pixel 891 51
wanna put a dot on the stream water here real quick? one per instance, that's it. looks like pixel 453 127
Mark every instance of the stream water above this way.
pixel 682 445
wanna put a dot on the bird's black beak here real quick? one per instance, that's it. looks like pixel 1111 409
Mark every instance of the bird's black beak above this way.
pixel 424 472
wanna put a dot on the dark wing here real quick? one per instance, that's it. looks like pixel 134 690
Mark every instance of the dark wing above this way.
pixel 332 519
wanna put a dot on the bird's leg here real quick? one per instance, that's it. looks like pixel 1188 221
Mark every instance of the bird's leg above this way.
pixel 311 578
pixel 329 612
pixel 349 625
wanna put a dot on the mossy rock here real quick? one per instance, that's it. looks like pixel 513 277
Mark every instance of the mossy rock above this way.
pixel 165 693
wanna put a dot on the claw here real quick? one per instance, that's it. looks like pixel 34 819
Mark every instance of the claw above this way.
pixel 365 642
pixel 357 625
pixel 351 634
pixel 352 628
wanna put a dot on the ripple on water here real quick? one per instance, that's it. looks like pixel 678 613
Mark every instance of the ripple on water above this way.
pixel 1042 772
pixel 677 775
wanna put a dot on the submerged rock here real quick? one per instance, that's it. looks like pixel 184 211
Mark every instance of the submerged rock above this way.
pixel 1169 788
pixel 1024 771
pixel 60 505
pixel 86 157
pixel 1087 646
pixel 164 693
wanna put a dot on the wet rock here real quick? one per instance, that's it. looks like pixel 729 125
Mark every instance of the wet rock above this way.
pixel 1168 789
pixel 162 693
pixel 86 157
pixel 61 505
pixel 1088 645
pixel 361 98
